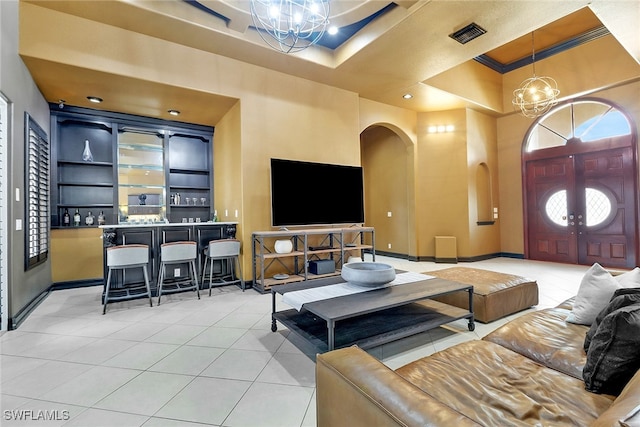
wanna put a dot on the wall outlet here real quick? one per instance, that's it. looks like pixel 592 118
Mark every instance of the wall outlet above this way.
pixel 176 272
pixel 389 214
pixel 389 246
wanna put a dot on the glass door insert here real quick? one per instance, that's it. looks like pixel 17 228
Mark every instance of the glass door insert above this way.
pixel 141 178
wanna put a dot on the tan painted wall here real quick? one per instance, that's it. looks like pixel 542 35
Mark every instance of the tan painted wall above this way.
pixel 472 80
pixel 597 64
pixel 283 116
pixel 578 71
pixel 511 132
pixel 441 182
pixel 76 254
pixel 482 148
pixel 17 86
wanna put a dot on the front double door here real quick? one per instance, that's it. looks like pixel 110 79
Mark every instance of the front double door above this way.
pixel 581 208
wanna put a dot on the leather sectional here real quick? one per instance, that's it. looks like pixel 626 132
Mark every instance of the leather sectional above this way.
pixel 527 372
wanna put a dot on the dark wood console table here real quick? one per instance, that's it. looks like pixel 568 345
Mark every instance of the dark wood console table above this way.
pixel 370 318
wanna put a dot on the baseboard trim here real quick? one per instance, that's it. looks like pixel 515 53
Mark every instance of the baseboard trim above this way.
pixel 73 284
pixel 392 254
pixel 21 316
pixel 453 260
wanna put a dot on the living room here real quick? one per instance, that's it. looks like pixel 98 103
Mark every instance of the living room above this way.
pixel 261 113
pixel 267 114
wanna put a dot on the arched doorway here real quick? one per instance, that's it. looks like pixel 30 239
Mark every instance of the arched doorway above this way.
pixel 580 185
pixel 386 183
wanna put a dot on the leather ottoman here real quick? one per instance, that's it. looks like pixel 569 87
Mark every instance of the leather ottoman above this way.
pixel 495 295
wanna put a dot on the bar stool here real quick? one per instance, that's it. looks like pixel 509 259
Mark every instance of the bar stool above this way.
pixel 227 250
pixel 121 258
pixel 178 253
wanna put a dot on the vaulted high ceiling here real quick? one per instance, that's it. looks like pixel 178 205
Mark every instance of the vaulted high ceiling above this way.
pixel 398 52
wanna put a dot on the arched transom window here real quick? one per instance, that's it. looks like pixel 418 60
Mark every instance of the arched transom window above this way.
pixel 578 122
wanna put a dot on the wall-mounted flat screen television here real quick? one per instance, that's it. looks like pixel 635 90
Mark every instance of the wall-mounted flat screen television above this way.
pixel 307 193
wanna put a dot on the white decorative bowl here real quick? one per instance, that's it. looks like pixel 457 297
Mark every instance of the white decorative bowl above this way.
pixel 369 274
pixel 283 246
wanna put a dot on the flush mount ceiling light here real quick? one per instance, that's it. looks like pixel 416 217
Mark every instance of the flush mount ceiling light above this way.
pixel 536 95
pixel 173 112
pixel 94 99
pixel 290 25
pixel 407 96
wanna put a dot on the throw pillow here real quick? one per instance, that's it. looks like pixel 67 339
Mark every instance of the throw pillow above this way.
pixel 613 356
pixel 595 291
pixel 629 279
pixel 621 298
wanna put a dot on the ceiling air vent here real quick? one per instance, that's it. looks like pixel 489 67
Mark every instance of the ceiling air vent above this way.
pixel 468 33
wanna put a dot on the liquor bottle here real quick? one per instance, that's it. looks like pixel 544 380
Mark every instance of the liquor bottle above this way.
pixel 89 218
pixel 101 220
pixel 66 218
pixel 76 218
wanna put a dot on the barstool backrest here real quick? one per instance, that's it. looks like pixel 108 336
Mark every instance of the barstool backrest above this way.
pixel 124 255
pixel 178 251
pixel 224 248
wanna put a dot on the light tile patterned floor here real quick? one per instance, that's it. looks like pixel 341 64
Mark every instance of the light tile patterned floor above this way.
pixel 192 362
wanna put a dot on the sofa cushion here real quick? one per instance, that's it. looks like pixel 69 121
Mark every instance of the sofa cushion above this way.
pixel 356 390
pixel 595 291
pixel 545 337
pixel 496 386
pixel 621 298
pixel 613 357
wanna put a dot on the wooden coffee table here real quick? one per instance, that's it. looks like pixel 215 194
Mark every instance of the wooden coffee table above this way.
pixel 371 318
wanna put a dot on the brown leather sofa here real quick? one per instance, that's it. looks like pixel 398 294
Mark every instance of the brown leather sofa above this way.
pixel 527 372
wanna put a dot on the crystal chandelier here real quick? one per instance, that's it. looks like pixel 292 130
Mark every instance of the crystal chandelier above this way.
pixel 290 25
pixel 536 95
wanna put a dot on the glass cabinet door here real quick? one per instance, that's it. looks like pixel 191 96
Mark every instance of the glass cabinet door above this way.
pixel 141 178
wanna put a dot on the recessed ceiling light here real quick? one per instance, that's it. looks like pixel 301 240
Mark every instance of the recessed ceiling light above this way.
pixel 333 30
pixel 173 112
pixel 94 99
pixel 407 96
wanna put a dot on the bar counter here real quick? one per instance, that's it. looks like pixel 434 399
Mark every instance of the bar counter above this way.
pixel 155 234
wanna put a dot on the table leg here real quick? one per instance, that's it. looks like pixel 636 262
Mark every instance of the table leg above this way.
pixel 274 326
pixel 330 334
pixel 472 325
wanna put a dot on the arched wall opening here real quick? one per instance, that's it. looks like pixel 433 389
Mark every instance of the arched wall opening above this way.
pixel 387 161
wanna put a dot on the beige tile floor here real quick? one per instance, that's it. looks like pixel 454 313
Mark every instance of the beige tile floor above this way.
pixel 192 362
